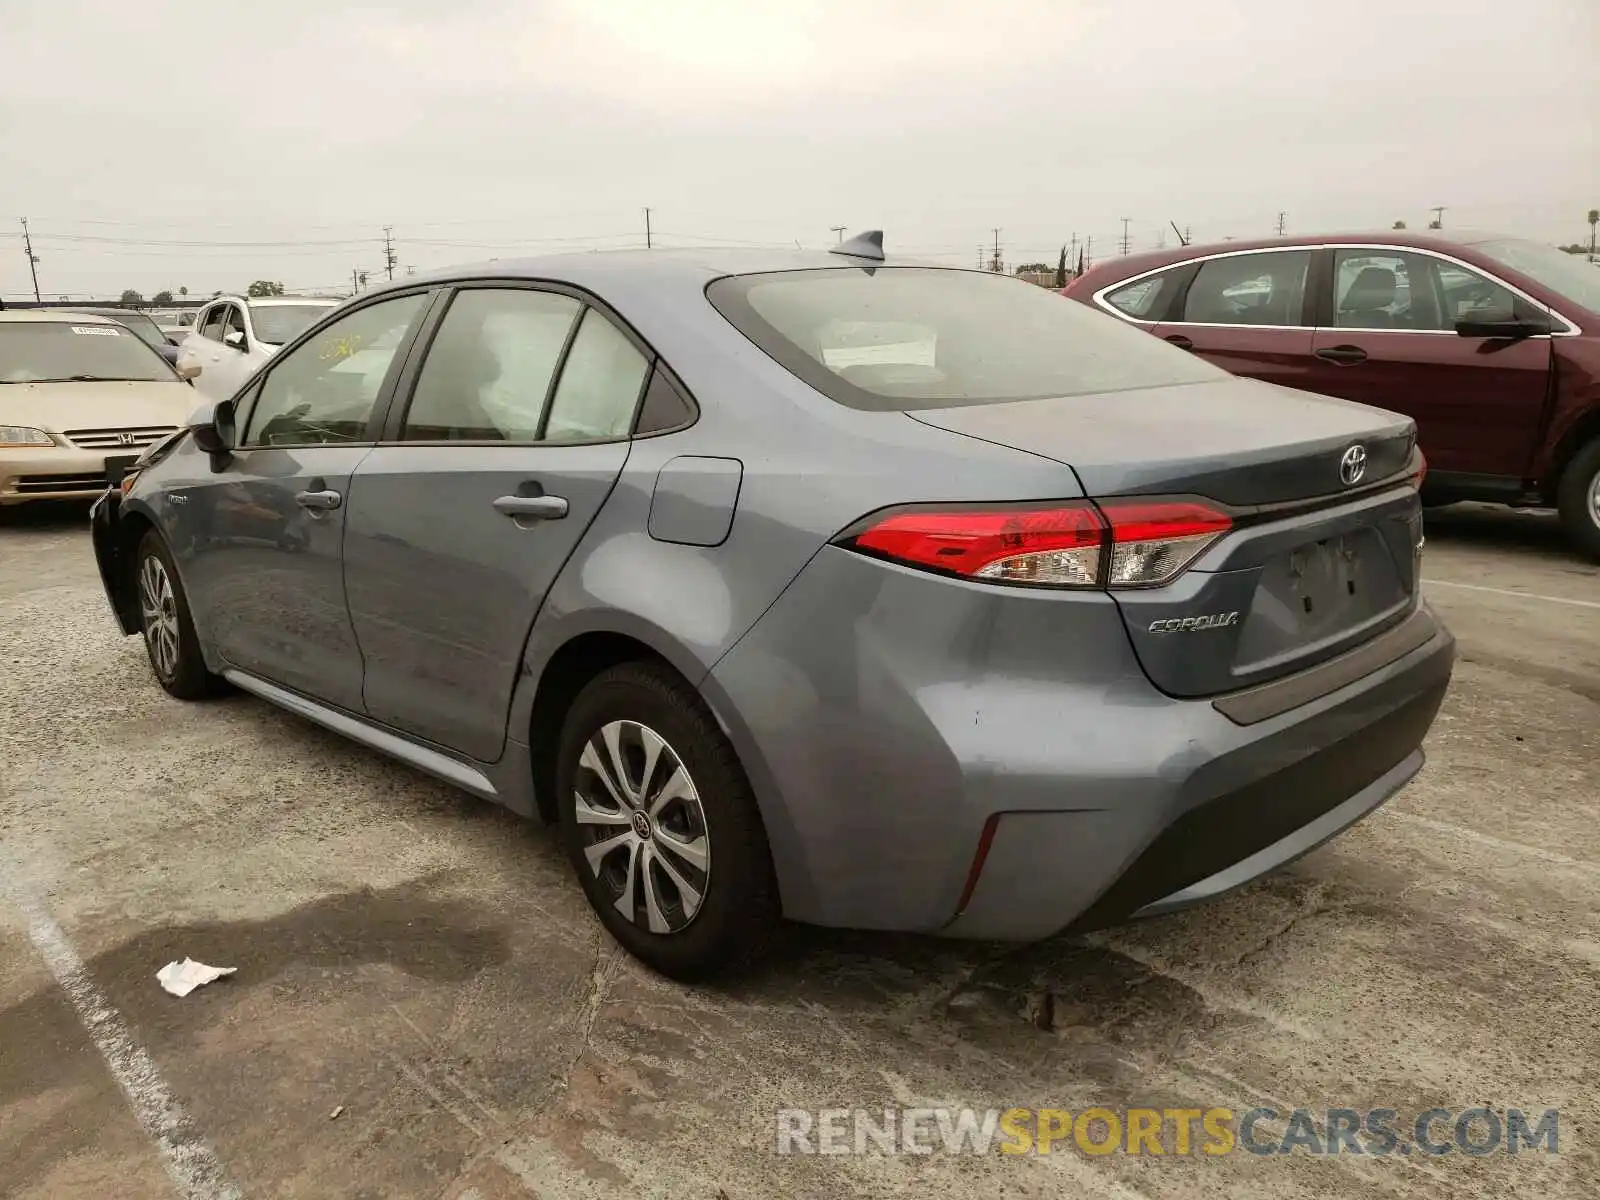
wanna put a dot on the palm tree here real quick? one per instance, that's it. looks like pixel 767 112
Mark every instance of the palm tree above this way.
pixel 1594 219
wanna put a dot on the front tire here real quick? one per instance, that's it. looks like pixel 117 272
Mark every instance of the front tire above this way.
pixel 661 825
pixel 1579 499
pixel 169 637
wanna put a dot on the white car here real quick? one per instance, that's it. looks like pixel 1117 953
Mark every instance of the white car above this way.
pixel 233 336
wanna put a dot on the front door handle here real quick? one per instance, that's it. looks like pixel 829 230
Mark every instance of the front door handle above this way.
pixel 1344 356
pixel 319 501
pixel 541 508
pixel 1181 342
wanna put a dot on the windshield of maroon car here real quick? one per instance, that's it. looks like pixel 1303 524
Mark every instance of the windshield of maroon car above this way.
pixel 1570 275
pixel 36 351
pixel 279 323
pixel 898 338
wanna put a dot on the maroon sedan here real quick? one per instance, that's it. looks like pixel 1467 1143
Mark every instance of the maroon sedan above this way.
pixel 1491 343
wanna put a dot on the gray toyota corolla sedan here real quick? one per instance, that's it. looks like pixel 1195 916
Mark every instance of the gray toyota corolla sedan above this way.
pixel 807 585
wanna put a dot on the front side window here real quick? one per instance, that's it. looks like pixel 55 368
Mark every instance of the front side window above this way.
pixel 489 368
pixel 324 390
pixel 211 324
pixel 1249 289
pixel 51 351
pixel 1463 291
pixel 1146 299
pixel 600 384
pixel 904 338
pixel 233 328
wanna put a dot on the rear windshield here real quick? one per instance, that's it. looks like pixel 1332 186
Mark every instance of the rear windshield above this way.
pixel 279 323
pixel 899 338
pixel 40 351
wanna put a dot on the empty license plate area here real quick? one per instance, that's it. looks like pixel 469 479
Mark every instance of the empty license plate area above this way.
pixel 1314 597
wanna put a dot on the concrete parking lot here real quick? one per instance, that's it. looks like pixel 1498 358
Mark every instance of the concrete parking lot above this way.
pixel 424 966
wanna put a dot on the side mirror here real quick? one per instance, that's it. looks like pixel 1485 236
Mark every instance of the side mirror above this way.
pixel 1500 323
pixel 213 431
pixel 188 370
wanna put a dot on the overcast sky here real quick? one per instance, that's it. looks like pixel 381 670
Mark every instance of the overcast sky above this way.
pixel 477 127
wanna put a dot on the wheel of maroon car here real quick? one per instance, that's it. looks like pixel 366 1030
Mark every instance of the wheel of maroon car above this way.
pixel 169 637
pixel 1580 499
pixel 661 826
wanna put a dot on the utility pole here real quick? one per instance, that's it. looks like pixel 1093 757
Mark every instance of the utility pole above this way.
pixel 1073 259
pixel 1438 217
pixel 33 259
pixel 1282 222
pixel 994 263
pixel 1088 251
pixel 838 229
pixel 390 258
pixel 1594 219
pixel 1125 235
pixel 355 280
pixel 647 242
pixel 980 258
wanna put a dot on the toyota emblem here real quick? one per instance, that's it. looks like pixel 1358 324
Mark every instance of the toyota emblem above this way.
pixel 1353 465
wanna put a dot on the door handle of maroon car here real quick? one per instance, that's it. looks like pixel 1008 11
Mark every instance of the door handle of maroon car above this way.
pixel 1181 342
pixel 542 508
pixel 1344 356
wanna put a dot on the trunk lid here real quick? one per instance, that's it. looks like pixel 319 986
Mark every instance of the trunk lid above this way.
pixel 1237 441
pixel 1313 567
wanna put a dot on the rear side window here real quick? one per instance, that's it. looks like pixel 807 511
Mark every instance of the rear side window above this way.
pixel 1146 299
pixel 902 338
pixel 1249 289
pixel 600 384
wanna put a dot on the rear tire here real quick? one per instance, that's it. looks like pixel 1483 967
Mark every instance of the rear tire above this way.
pixel 1579 499
pixel 661 825
pixel 168 629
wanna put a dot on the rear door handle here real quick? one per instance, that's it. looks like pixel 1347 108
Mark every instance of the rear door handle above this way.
pixel 1343 355
pixel 542 508
pixel 320 501
pixel 1181 342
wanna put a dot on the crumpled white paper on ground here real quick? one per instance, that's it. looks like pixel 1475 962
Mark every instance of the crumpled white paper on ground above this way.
pixel 181 978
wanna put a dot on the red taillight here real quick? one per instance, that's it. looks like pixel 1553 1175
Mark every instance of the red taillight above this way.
pixel 1119 543
pixel 1422 469
pixel 1058 546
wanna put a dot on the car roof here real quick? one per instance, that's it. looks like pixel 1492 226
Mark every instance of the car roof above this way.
pixel 647 279
pixel 54 315
pixel 268 301
pixel 1422 239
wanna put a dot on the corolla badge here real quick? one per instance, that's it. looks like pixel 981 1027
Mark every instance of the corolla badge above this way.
pixel 1219 620
pixel 1353 465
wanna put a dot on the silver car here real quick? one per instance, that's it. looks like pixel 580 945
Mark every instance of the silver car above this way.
pixel 807 585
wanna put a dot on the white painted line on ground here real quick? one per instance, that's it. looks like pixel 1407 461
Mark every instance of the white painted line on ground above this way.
pixel 193 1166
pixel 1478 587
pixel 1484 839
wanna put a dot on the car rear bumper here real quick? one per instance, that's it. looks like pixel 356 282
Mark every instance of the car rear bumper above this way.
pixel 886 717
